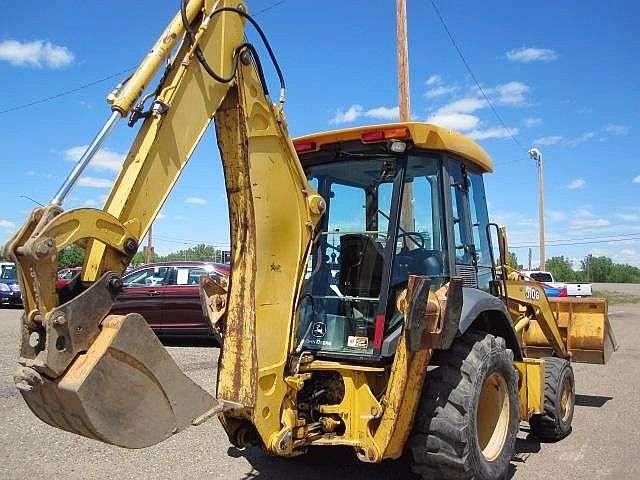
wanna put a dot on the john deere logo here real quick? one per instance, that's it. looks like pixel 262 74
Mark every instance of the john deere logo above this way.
pixel 319 330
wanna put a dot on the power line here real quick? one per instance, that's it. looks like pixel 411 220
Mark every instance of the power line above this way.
pixel 468 67
pixel 512 161
pixel 66 92
pixel 96 82
pixel 266 9
pixel 581 243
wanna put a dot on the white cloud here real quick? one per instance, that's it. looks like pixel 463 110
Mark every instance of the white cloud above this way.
pixel 93 182
pixel 195 200
pixel 89 203
pixel 636 179
pixel 528 55
pixel 354 112
pixel 160 216
pixel 457 114
pixel 585 137
pixel 556 216
pixel 575 184
pixel 583 219
pixel 350 115
pixel 512 93
pixel 463 105
pixel 383 113
pixel 585 223
pixel 601 135
pixel 616 129
pixel 532 122
pixel 104 159
pixel 551 140
pixel 434 80
pixel 455 121
pixel 494 132
pixel 38 54
pixel 6 224
pixel 628 217
pixel 441 91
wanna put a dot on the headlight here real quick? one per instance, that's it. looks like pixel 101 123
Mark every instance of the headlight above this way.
pixel 4 287
pixel 15 287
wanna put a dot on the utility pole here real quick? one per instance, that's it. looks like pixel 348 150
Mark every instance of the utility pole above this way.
pixel 149 253
pixel 529 259
pixel 402 48
pixel 536 155
pixel 404 103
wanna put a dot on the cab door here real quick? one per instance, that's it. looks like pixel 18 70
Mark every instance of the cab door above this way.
pixel 461 233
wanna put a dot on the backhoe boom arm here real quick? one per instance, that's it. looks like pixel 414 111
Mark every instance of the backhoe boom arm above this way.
pixel 72 350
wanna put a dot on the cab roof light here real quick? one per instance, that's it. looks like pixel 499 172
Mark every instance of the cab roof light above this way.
pixel 304 147
pixel 382 134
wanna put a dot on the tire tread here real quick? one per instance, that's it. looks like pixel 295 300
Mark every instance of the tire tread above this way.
pixel 439 440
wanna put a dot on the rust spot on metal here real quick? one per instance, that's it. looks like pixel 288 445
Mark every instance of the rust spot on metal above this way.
pixel 169 38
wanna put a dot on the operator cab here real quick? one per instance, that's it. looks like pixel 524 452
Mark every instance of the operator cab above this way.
pixel 395 207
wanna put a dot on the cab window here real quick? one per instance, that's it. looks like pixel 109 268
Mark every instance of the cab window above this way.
pixel 479 222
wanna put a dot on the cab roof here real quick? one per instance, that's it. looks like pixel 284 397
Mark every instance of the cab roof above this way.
pixel 423 135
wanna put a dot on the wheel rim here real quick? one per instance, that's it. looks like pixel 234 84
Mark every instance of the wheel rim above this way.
pixel 492 416
pixel 566 400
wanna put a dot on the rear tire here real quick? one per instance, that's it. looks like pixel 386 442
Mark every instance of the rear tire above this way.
pixel 468 417
pixel 559 401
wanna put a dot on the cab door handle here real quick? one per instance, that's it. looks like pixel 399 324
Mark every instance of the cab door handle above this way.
pixel 153 293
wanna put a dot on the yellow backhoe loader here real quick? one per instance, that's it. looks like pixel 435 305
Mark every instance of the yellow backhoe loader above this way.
pixel 351 317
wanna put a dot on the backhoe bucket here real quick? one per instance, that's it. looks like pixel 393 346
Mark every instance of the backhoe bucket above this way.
pixel 126 390
pixel 584 327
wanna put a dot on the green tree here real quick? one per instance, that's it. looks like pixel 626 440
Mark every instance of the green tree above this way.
pixel 71 256
pixel 597 269
pixel 200 252
pixel 603 269
pixel 138 259
pixel 561 269
pixel 512 260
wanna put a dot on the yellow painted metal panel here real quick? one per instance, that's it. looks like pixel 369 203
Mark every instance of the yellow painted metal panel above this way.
pixel 424 135
pixel 164 143
pixel 531 386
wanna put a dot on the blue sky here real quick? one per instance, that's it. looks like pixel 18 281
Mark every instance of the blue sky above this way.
pixel 562 75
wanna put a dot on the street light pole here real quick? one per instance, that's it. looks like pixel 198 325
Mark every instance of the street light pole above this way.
pixel 536 155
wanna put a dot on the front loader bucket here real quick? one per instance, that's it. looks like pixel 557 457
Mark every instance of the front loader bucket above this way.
pixel 584 327
pixel 126 390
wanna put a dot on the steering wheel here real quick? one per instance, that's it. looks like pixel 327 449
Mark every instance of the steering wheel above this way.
pixel 412 236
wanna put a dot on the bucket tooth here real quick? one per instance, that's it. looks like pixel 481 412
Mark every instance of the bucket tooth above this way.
pixel 126 390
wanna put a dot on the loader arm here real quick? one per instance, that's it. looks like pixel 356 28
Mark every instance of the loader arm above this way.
pixel 571 328
pixel 106 376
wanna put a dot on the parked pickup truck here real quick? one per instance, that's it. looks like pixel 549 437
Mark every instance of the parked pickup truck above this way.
pixel 571 289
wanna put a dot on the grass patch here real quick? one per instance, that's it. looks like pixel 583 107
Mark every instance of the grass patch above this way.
pixel 616 298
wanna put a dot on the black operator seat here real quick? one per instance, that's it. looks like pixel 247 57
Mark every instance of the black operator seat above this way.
pixel 361 263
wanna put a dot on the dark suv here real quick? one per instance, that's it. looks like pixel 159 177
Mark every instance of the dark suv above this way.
pixel 9 286
pixel 167 295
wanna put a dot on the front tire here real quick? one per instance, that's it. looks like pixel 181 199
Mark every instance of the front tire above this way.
pixel 559 400
pixel 468 417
